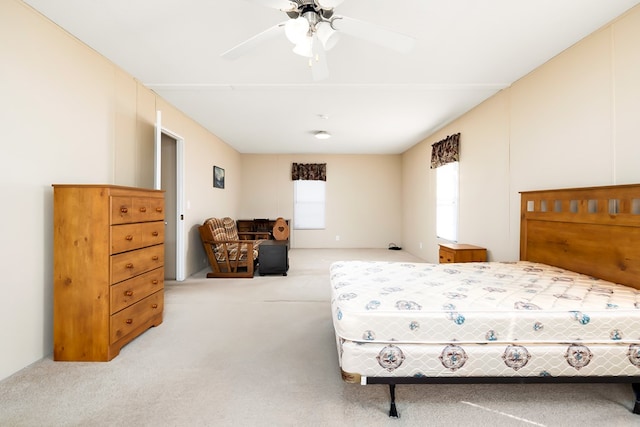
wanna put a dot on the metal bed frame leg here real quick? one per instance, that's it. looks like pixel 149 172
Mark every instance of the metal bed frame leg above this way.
pixel 636 391
pixel 393 412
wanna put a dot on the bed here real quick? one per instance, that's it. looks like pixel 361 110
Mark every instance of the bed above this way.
pixel 567 311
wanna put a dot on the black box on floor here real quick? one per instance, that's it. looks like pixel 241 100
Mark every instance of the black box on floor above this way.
pixel 273 257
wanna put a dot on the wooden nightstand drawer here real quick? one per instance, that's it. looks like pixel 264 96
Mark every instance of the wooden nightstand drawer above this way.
pixel 454 252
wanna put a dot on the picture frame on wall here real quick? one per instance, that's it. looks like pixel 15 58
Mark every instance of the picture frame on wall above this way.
pixel 218 177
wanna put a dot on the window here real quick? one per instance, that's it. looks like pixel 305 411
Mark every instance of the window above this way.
pixel 308 205
pixel 447 201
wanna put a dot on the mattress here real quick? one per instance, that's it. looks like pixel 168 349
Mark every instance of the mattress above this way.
pixel 521 318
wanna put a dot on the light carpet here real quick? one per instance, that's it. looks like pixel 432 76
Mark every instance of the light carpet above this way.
pixel 261 352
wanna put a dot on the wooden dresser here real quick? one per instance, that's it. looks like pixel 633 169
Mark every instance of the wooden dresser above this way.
pixel 459 252
pixel 108 274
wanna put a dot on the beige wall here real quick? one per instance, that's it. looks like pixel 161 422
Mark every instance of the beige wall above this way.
pixel 363 205
pixel 484 183
pixel 43 144
pixel 70 116
pixel 572 122
pixel 202 151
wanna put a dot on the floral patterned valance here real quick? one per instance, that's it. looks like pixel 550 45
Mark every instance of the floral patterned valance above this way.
pixel 309 171
pixel 445 151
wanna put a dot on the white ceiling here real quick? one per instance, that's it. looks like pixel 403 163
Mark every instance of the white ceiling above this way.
pixel 377 101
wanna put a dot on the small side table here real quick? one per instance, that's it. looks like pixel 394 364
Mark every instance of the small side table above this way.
pixel 455 252
pixel 273 257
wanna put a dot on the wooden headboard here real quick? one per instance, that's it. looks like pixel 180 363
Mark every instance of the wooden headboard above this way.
pixel 592 230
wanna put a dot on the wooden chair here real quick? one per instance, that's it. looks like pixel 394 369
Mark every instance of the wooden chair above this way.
pixel 228 255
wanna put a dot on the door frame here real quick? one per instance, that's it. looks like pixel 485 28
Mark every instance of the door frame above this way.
pixel 157 162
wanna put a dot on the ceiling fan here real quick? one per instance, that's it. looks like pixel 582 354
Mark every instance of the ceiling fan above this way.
pixel 313 28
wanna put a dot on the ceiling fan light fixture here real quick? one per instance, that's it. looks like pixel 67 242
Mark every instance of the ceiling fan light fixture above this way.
pixel 327 35
pixel 296 30
pixel 321 134
pixel 304 47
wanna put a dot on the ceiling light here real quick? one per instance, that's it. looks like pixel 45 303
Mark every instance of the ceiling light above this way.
pixel 304 47
pixel 296 29
pixel 323 135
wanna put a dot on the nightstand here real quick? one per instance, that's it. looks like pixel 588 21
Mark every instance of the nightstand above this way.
pixel 455 252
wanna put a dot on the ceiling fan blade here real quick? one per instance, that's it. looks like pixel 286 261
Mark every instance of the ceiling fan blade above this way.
pixel 329 4
pixel 276 4
pixel 318 62
pixel 247 45
pixel 373 33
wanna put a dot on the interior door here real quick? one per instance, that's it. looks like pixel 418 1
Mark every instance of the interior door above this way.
pixel 169 176
pixel 168 184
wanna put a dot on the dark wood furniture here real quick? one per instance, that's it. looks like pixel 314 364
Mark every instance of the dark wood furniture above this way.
pixel 257 228
pixel 273 257
pixel 108 268
pixel 459 252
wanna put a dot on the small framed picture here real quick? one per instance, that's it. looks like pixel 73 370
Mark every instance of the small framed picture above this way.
pixel 218 177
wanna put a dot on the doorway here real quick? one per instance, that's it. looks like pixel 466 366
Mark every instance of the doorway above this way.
pixel 168 184
pixel 169 176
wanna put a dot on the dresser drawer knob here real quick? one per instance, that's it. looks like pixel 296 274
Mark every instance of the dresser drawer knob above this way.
pixel 154 281
pixel 129 237
pixel 154 305
pixel 158 210
pixel 155 234
pixel 129 265
pixel 124 210
pixel 155 257
pixel 129 293
pixel 129 321
pixel 143 209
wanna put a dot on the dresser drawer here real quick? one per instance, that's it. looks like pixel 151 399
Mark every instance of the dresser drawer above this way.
pixel 129 264
pixel 127 237
pixel 134 316
pixel 136 209
pixel 130 291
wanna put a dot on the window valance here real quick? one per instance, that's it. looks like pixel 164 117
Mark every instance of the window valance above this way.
pixel 445 151
pixel 309 171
